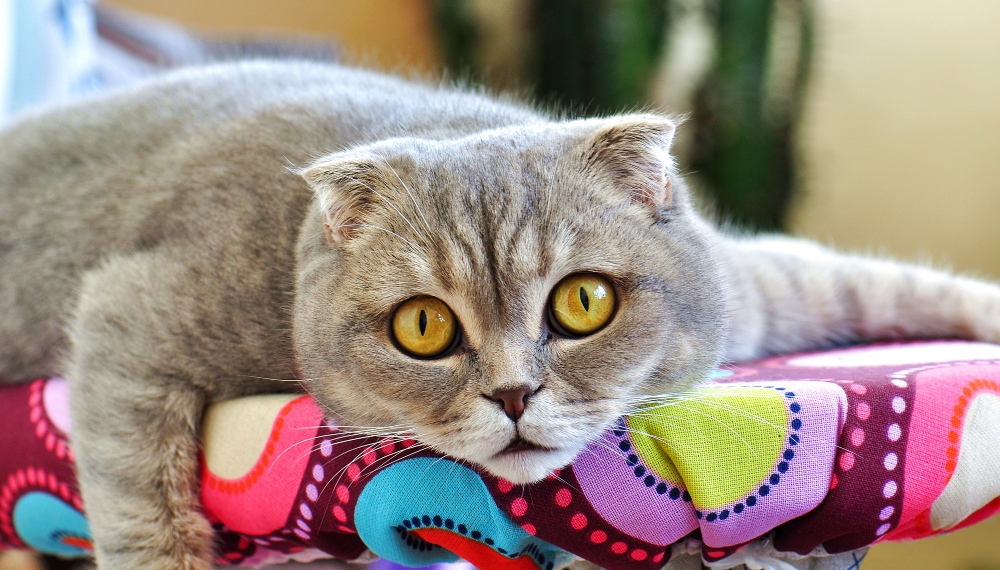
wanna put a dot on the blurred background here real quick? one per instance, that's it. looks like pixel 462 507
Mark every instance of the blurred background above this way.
pixel 870 126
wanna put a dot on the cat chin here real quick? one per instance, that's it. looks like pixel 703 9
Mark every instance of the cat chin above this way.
pixel 522 467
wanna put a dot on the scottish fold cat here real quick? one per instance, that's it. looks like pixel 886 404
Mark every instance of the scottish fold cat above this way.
pixel 500 283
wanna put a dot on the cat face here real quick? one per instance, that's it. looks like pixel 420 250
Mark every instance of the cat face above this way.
pixel 504 297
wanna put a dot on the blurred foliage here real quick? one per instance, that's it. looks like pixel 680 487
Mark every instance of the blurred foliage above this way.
pixel 603 56
pixel 596 53
pixel 457 33
pixel 744 134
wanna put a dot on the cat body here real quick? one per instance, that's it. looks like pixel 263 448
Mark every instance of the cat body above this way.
pixel 253 227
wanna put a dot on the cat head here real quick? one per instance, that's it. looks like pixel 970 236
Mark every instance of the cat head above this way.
pixel 505 296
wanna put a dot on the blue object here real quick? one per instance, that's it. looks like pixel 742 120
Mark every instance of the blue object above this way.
pixel 48 52
pixel 411 495
pixel 50 526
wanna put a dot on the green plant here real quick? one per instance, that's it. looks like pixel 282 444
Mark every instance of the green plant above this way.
pixel 603 56
pixel 747 107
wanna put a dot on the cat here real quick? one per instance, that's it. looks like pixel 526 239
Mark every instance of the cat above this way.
pixel 497 281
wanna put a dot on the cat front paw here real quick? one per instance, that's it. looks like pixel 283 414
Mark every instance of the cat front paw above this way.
pixel 183 543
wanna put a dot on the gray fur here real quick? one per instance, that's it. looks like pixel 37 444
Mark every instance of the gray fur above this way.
pixel 250 228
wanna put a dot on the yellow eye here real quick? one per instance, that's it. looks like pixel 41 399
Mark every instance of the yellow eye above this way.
pixel 583 303
pixel 424 326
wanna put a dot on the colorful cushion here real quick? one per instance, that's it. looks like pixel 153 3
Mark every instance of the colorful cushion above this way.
pixel 818 453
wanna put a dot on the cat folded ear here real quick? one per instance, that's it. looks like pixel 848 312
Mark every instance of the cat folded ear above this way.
pixel 347 187
pixel 632 152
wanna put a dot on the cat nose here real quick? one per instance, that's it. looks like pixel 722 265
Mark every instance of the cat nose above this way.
pixel 513 399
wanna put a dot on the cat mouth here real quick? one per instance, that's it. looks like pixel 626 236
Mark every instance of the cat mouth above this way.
pixel 521 445
pixel 524 461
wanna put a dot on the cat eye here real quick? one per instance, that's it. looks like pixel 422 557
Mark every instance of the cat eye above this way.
pixel 424 327
pixel 581 304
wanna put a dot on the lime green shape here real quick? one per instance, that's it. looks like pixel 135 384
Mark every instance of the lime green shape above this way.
pixel 719 442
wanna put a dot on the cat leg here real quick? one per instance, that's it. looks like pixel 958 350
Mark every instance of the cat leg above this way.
pixel 137 468
pixel 136 414
pixel 789 295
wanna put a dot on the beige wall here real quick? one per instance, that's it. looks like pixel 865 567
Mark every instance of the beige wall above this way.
pixel 974 548
pixel 389 34
pixel 901 140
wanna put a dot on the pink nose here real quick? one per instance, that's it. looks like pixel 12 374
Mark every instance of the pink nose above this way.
pixel 514 400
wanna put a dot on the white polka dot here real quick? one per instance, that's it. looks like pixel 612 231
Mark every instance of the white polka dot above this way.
pixel 890 461
pixel 898 404
pixel 889 490
pixel 326 448
pixel 306 512
pixel 311 492
pixel 899 383
pixel 302 524
pixel 318 471
pixel 300 534
pixel 883 529
pixel 894 432
pixel 886 513
pixel 261 541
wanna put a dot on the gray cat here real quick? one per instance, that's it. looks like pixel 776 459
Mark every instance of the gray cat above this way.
pixel 498 282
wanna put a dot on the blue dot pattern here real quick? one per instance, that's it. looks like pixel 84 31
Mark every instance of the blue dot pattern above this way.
pixel 655 484
pixel 407 496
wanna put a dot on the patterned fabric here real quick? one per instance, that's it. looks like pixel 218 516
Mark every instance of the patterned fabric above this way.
pixel 811 454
